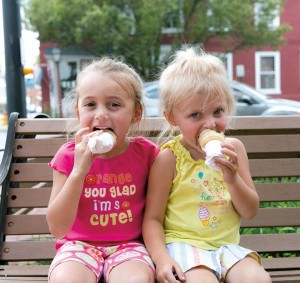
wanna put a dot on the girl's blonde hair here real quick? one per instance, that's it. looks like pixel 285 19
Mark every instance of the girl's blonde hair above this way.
pixel 193 72
pixel 115 69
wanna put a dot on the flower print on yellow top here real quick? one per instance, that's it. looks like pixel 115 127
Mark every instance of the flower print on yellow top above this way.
pixel 214 198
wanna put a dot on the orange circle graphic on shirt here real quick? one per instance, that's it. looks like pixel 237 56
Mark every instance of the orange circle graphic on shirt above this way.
pixel 125 205
pixel 91 179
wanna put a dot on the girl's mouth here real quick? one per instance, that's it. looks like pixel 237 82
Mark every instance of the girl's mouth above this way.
pixel 102 129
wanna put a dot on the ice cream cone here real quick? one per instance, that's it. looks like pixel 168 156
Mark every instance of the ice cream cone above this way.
pixel 208 135
pixel 204 215
pixel 102 143
pixel 210 142
pixel 205 222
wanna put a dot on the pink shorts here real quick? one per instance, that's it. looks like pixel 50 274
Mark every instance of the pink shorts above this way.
pixel 101 260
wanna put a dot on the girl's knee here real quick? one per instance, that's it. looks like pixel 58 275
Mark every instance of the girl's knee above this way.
pixel 142 277
pixel 248 270
pixel 132 276
pixel 71 272
pixel 132 271
pixel 263 277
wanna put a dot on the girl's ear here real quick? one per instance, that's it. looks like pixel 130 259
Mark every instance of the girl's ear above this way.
pixel 170 118
pixel 138 113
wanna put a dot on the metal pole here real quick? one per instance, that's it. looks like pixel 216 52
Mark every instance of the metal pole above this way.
pixel 15 86
pixel 59 95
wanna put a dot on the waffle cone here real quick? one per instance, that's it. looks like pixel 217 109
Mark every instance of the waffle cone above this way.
pixel 209 135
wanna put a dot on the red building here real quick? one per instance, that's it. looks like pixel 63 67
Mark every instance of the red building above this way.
pixel 274 72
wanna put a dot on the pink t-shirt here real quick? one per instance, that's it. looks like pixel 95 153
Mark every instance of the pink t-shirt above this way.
pixel 112 202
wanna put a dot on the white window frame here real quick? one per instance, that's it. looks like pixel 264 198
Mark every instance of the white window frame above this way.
pixel 229 62
pixel 276 72
pixel 229 58
pixel 257 12
pixel 172 27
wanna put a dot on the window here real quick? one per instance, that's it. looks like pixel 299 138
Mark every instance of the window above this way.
pixel 217 22
pixel 267 72
pixel 227 59
pixel 274 16
pixel 173 22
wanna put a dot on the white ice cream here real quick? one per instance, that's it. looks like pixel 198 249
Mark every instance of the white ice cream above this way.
pixel 212 149
pixel 102 143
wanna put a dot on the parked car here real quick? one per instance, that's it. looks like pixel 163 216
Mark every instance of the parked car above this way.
pixel 249 102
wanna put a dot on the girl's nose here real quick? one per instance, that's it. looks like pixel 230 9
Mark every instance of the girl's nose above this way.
pixel 101 113
pixel 209 122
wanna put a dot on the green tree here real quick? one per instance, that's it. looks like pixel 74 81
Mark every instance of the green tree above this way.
pixel 133 28
pixel 234 22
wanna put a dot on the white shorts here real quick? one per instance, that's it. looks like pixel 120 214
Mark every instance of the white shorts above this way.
pixel 219 261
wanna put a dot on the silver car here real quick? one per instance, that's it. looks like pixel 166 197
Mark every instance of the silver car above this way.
pixel 249 102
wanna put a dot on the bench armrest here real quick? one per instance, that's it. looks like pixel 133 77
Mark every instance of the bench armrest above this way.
pixel 9 146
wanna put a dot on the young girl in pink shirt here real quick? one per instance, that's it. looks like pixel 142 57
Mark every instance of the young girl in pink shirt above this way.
pixel 97 201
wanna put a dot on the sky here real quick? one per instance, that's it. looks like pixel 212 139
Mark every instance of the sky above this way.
pixel 29 46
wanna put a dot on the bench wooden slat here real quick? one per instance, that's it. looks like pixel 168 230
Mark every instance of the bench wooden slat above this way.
pixel 270 217
pixel 39 272
pixel 271 143
pixel 284 276
pixel 278 264
pixel 26 224
pixel 36 270
pixel 26 172
pixel 266 217
pixel 25 197
pixel 275 167
pixel 274 144
pixel 250 123
pixel 28 197
pixel 278 276
pixel 31 172
pixel 41 250
pixel 37 148
pixel 278 191
pixel 42 126
pixel 284 279
pixel 266 123
pixel 35 279
pixel 272 242
pixel 27 250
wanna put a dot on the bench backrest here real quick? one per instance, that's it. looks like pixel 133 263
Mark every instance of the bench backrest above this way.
pixel 273 146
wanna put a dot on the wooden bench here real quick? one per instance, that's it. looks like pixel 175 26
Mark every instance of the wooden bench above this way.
pixel 273 145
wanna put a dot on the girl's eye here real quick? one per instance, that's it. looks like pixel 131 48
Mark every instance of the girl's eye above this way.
pixel 196 115
pixel 218 111
pixel 114 104
pixel 89 104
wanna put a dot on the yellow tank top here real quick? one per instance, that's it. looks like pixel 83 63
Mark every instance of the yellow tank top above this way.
pixel 199 210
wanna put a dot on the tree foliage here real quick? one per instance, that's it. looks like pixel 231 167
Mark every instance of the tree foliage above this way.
pixel 133 28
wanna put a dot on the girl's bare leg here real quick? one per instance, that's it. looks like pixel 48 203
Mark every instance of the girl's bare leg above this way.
pixel 200 275
pixel 72 271
pixel 132 271
pixel 247 270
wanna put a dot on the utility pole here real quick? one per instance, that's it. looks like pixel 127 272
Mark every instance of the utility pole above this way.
pixel 15 85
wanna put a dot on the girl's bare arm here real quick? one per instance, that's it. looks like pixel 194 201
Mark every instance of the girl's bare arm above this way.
pixel 159 185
